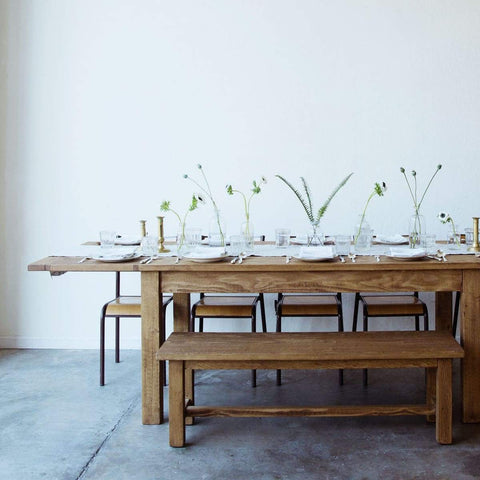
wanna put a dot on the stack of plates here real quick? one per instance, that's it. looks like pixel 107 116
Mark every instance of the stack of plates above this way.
pixel 407 253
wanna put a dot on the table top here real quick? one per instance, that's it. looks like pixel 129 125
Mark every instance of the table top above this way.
pixel 251 264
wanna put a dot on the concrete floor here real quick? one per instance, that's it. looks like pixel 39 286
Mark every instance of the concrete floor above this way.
pixel 57 423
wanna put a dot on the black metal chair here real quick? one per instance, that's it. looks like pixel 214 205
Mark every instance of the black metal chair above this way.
pixel 122 306
pixel 321 305
pixel 376 305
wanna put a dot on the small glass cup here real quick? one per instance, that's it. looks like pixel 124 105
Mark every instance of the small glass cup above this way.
pixel 282 237
pixel 193 237
pixel 469 236
pixel 428 242
pixel 107 239
pixel 237 245
pixel 149 245
pixel 342 244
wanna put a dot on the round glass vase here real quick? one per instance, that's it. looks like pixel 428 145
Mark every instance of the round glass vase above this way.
pixel 315 237
pixel 362 235
pixel 248 232
pixel 217 230
pixel 453 239
pixel 416 228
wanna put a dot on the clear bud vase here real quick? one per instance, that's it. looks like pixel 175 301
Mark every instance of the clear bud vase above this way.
pixel 417 228
pixel 217 230
pixel 362 235
pixel 248 233
pixel 316 237
pixel 181 240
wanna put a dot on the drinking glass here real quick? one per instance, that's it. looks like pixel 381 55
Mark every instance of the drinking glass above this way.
pixel 428 242
pixel 469 236
pixel 282 237
pixel 342 244
pixel 193 237
pixel 237 245
pixel 107 239
pixel 149 245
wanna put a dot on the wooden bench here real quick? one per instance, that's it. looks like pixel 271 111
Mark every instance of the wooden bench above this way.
pixel 213 351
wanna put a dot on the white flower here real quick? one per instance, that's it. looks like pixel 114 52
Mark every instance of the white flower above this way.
pixel 444 217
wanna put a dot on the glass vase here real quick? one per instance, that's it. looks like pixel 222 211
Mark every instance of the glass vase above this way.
pixel 248 232
pixel 181 240
pixel 217 230
pixel 315 237
pixel 362 235
pixel 417 228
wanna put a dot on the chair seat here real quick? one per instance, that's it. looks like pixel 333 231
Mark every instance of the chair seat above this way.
pixel 125 306
pixel 218 306
pixel 304 305
pixel 386 305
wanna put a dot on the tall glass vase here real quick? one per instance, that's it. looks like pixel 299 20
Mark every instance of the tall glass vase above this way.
pixel 362 235
pixel 217 230
pixel 248 233
pixel 315 237
pixel 417 228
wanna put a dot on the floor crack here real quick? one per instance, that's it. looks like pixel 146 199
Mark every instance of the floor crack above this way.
pixel 105 440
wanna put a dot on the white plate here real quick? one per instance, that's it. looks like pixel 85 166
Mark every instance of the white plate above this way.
pixel 407 257
pixel 117 258
pixel 205 259
pixel 314 259
pixel 390 240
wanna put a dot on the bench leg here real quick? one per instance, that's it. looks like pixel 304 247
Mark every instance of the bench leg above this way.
pixel 431 391
pixel 444 402
pixel 176 405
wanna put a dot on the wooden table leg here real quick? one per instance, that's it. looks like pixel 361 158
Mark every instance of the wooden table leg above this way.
pixel 470 340
pixel 181 323
pixel 443 311
pixel 444 401
pixel 152 373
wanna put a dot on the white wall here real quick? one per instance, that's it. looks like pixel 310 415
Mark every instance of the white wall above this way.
pixel 105 104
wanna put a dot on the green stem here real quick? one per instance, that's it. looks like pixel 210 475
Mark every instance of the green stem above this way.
pixel 411 192
pixel 363 218
pixel 433 176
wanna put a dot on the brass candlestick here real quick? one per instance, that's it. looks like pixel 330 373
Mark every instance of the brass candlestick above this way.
pixel 476 246
pixel 161 238
pixel 143 228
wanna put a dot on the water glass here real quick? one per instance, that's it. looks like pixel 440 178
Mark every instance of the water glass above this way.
pixel 282 237
pixel 149 245
pixel 107 239
pixel 428 242
pixel 193 237
pixel 237 245
pixel 469 236
pixel 342 244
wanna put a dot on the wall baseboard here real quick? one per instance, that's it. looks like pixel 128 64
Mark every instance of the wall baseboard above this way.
pixel 66 343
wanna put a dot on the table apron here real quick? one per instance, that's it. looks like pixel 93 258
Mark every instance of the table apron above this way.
pixel 310 281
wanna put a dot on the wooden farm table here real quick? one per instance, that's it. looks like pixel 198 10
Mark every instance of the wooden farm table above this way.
pixel 272 275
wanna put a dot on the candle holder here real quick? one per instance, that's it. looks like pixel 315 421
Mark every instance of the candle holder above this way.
pixel 161 238
pixel 476 246
pixel 143 228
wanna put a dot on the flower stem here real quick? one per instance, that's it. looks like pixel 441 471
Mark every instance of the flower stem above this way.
pixel 363 218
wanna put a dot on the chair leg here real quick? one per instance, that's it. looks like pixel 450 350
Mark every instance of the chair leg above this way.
pixel 254 329
pixel 365 329
pixel 455 313
pixel 262 312
pixel 279 329
pixel 340 329
pixel 102 347
pixel 355 312
pixel 200 324
pixel 117 339
pixel 417 323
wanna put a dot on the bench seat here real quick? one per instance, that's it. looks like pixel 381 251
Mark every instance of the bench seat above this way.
pixel 431 350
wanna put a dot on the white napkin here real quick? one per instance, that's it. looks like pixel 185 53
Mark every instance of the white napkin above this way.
pixel 316 252
pixel 391 238
pixel 407 252
pixel 116 253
